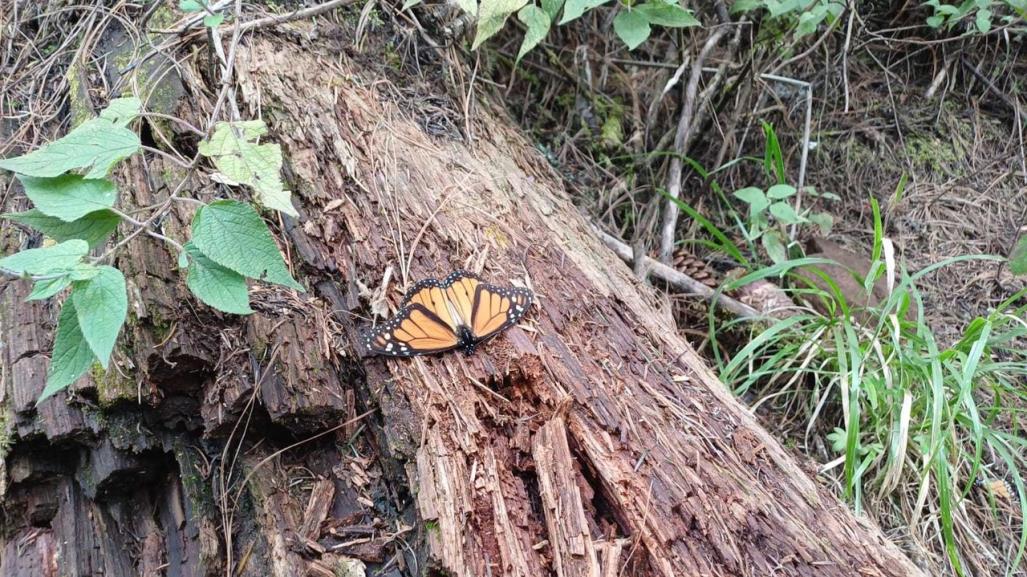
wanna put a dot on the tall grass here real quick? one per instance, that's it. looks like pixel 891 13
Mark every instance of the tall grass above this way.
pixel 912 422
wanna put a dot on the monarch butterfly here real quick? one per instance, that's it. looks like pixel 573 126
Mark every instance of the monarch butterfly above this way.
pixel 459 312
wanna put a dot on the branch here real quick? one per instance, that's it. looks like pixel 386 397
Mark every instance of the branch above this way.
pixel 670 216
pixel 679 280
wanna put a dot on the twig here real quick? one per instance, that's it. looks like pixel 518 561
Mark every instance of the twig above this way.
pixel 679 280
pixel 670 216
pixel 294 15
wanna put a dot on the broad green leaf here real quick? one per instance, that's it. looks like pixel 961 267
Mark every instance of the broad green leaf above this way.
pixel 552 8
pixel 632 27
pixel 122 111
pixel 785 213
pixel 213 20
pixel 237 154
pixel 69 197
pixel 754 197
pixel 743 6
pixel 809 20
pixel 216 285
pixel 774 246
pixel 492 14
pixel 190 6
pixel 780 191
pixel 72 356
pixel 96 145
pixel 935 21
pixel 102 303
pixel 1018 258
pixel 668 15
pixel 469 6
pixel 40 261
pixel 47 288
pixel 233 235
pixel 183 259
pixel 983 20
pixel 83 271
pixel 537 22
pixel 824 221
pixel 409 4
pixel 573 9
pixel 94 228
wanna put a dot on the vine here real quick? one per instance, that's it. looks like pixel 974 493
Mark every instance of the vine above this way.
pixel 74 205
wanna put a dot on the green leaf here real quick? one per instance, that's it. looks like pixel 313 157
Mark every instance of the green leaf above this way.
pixel 824 221
pixel 809 20
pixel 122 111
pixel 469 6
pixel 216 285
pixel 552 8
pixel 72 356
pixel 236 153
pixel 83 271
pixel 537 21
pixel 102 303
pixel 785 213
pixel 492 14
pixel 1018 258
pixel 780 191
pixel 47 260
pixel 96 145
pixel 774 246
pixel 190 6
pixel 233 235
pixel 47 288
pixel 573 9
pixel 69 197
pixel 213 20
pixel 94 228
pixel 631 27
pixel 935 21
pixel 983 20
pixel 409 4
pixel 183 259
pixel 668 15
pixel 743 6
pixel 754 197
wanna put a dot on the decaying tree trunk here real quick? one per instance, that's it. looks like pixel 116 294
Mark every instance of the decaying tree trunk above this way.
pixel 591 441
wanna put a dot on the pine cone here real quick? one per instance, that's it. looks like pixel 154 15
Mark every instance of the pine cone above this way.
pixel 687 263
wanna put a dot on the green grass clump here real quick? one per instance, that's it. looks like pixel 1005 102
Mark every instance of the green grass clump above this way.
pixel 911 422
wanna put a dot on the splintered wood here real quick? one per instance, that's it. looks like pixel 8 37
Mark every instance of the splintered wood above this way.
pixel 574 554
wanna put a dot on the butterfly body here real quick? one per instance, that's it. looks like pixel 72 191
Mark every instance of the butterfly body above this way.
pixel 459 312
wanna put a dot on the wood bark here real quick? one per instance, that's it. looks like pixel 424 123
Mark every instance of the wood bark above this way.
pixel 589 441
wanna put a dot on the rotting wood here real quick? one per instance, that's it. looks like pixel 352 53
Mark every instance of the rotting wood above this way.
pixel 573 551
pixel 653 428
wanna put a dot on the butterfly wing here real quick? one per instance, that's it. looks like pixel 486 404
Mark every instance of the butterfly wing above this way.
pixel 415 330
pixel 461 288
pixel 496 308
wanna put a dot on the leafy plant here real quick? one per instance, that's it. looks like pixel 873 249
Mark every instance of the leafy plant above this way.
pixel 211 20
pixel 803 17
pixel 75 206
pixel 770 212
pixel 983 12
pixel 633 24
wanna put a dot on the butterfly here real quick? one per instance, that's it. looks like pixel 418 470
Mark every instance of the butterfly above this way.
pixel 458 312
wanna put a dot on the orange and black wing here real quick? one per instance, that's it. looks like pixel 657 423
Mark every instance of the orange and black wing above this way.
pixel 497 308
pixel 415 330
